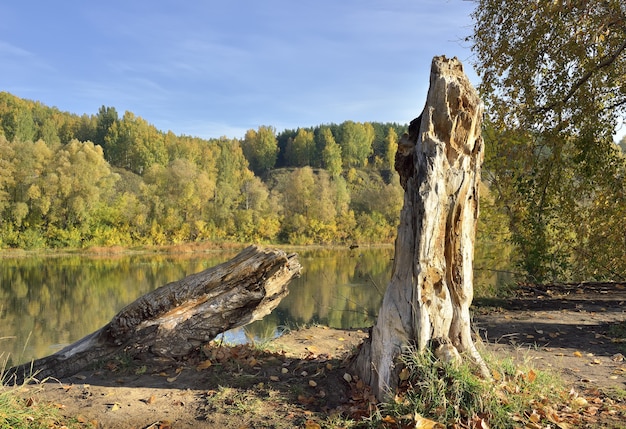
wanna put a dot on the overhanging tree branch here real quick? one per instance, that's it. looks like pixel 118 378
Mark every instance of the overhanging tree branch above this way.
pixel 607 61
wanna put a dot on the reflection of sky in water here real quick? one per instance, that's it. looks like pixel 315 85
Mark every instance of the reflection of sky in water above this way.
pixel 242 336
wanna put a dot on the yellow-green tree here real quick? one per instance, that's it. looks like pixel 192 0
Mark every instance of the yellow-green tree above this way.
pixel 260 149
pixel 300 149
pixel 30 196
pixel 390 148
pixel 232 173
pixel 134 144
pixel 331 153
pixel 178 196
pixel 553 83
pixel 356 143
pixel 82 180
pixel 309 210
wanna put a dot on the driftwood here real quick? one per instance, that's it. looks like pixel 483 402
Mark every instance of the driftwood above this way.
pixel 175 318
pixel 427 301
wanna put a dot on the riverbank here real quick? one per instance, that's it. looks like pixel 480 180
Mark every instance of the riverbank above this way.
pixel 575 335
pixel 178 249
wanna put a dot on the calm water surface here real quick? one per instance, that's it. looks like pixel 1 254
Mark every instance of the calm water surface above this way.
pixel 47 303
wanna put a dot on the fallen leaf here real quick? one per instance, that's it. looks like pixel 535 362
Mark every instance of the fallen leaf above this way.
pixel 479 423
pixel 404 374
pixel 423 423
pixel 274 378
pixel 390 420
pixel 532 376
pixel 305 400
pixel 310 424
pixel 496 375
pixel 578 354
pixel 347 377
pixel 204 365
pixel 312 383
pixel 534 417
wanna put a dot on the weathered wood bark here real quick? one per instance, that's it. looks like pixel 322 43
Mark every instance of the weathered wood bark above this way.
pixel 431 288
pixel 173 319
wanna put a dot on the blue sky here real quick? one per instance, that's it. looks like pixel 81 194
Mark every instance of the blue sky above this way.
pixel 212 68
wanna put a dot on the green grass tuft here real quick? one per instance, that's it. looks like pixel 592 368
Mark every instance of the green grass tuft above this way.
pixel 19 410
pixel 455 394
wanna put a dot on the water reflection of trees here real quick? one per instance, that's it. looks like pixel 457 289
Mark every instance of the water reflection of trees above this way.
pixel 48 302
pixel 53 301
pixel 340 289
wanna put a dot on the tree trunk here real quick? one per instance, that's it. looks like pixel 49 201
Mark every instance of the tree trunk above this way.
pixel 173 319
pixel 427 301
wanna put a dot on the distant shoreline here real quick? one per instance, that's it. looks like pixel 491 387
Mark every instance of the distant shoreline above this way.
pixel 184 248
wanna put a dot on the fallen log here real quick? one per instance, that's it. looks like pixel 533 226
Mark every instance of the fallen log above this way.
pixel 179 316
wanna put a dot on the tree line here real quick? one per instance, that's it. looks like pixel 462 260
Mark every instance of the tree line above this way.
pixel 104 180
pixel 551 205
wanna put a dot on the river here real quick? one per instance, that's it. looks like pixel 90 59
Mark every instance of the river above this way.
pixel 48 302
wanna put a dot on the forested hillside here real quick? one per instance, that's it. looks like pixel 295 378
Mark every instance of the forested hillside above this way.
pixel 105 180
pixel 102 180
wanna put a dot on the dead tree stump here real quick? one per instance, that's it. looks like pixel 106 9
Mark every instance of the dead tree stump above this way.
pixel 175 318
pixel 431 288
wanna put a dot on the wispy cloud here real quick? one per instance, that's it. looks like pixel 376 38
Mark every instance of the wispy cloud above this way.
pixel 220 67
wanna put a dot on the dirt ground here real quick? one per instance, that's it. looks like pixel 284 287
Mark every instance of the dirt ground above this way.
pixel 568 328
pixel 300 381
